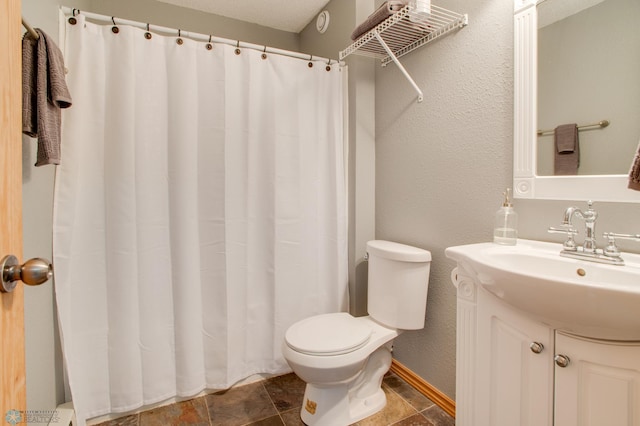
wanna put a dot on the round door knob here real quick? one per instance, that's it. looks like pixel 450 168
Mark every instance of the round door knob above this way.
pixel 536 347
pixel 34 272
pixel 561 360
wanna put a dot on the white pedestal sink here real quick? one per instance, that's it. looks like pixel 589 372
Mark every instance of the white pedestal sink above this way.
pixel 585 298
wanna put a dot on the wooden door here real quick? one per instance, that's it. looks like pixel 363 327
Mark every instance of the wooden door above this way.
pixel 12 364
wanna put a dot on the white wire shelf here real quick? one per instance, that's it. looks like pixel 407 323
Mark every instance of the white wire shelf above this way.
pixel 398 35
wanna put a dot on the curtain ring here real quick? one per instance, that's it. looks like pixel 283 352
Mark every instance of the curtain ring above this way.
pixel 72 19
pixel 148 35
pixel 179 39
pixel 209 46
pixel 264 53
pixel 310 64
pixel 115 28
pixel 328 67
pixel 238 48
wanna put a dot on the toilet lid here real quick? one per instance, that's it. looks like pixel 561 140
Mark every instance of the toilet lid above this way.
pixel 328 334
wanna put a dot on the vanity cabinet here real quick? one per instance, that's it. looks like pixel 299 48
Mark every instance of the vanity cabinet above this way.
pixel 601 383
pixel 514 370
pixel 514 367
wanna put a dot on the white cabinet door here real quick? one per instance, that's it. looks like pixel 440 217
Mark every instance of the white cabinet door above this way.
pixel 600 385
pixel 514 383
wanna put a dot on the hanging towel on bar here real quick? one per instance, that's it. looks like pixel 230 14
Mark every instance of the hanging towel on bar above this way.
pixel 567 150
pixel 634 173
pixel 387 9
pixel 44 93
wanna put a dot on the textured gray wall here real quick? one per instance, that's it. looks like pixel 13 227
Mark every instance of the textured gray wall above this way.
pixel 442 164
pixel 171 16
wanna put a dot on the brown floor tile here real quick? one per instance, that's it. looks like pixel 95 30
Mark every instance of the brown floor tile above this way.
pixel 240 406
pixel 286 391
pixel 191 412
pixel 292 417
pixel 395 410
pixel 277 401
pixel 269 421
pixel 438 417
pixel 122 421
pixel 415 420
pixel 407 392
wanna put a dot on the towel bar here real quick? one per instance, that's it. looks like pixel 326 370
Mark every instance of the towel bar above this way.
pixel 599 124
pixel 30 29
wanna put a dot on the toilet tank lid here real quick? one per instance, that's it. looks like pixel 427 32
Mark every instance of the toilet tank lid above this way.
pixel 396 251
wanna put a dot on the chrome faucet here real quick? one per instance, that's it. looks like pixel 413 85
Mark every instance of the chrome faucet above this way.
pixel 589 250
pixel 589 216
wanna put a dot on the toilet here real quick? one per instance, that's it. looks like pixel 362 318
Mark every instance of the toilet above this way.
pixel 343 358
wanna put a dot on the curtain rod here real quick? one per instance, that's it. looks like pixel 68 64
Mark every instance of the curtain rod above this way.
pixel 30 29
pixel 196 36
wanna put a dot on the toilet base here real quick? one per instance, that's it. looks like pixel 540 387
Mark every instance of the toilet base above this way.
pixel 362 408
pixel 322 407
pixel 345 403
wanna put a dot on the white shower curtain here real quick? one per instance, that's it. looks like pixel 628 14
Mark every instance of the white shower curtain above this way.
pixel 199 211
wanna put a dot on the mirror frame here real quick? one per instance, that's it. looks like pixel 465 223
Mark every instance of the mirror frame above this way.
pixel 526 184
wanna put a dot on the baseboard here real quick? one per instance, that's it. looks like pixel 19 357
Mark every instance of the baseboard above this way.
pixel 424 387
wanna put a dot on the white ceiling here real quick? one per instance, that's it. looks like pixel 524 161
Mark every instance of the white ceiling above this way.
pixel 286 15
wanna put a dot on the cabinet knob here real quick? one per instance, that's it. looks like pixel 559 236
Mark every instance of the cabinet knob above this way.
pixel 561 360
pixel 536 347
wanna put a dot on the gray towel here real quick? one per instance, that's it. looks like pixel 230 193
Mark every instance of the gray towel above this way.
pixel 44 93
pixel 634 173
pixel 567 152
pixel 387 9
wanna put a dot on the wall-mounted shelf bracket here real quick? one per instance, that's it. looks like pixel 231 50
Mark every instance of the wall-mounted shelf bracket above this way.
pixel 402 68
pixel 403 32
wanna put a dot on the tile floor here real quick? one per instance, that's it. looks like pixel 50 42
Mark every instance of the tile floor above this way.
pixel 277 401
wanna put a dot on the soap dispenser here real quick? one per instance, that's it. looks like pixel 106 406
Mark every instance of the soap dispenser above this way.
pixel 506 227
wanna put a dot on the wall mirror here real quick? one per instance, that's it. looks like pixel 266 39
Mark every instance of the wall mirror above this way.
pixel 551 90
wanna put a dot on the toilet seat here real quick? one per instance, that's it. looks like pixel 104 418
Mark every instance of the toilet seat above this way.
pixel 328 334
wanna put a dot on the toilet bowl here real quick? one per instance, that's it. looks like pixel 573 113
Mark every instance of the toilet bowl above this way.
pixel 343 358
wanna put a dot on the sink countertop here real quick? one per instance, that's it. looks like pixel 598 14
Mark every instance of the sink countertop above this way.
pixel 585 298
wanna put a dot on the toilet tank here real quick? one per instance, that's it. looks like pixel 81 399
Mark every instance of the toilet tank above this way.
pixel 398 283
